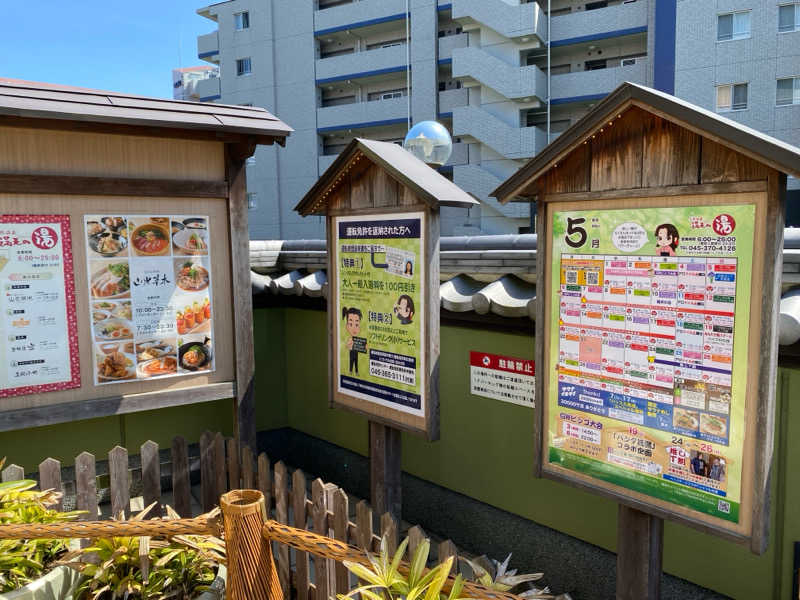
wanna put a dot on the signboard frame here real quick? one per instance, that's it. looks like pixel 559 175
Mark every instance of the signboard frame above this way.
pixel 754 508
pixel 426 424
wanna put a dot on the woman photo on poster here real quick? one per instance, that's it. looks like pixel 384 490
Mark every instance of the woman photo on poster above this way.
pixel 404 309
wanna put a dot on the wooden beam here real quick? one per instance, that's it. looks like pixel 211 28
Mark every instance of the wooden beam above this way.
pixel 670 190
pixel 110 186
pixel 241 296
pixel 39 416
pixel 385 449
pixel 640 547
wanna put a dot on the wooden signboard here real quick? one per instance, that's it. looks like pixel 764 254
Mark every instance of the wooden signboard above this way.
pixel 660 239
pixel 382 208
pixel 148 224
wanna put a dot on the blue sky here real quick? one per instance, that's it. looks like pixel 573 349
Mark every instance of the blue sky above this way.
pixel 111 45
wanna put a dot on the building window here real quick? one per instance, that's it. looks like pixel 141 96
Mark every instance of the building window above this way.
pixel 788 91
pixel 733 26
pixel 596 5
pixel 241 20
pixel 243 66
pixel 731 97
pixel 789 17
pixel 252 200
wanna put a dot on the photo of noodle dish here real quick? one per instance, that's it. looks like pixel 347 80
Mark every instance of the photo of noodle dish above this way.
pixel 190 241
pixel 685 419
pixel 713 425
pixel 157 367
pixel 115 366
pixel 150 237
pixel 191 275
pixel 194 353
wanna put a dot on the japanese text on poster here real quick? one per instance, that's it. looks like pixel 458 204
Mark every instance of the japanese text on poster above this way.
pixel 39 349
pixel 150 296
pixel 502 378
pixel 649 335
pixel 380 309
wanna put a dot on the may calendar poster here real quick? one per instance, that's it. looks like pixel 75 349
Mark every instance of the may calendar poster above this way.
pixel 648 349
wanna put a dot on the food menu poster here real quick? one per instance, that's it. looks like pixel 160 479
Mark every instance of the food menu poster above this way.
pixel 380 310
pixel 149 279
pixel 39 349
pixel 648 348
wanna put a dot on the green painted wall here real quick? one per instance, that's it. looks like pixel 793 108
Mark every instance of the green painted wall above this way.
pixel 486 452
pixel 29 447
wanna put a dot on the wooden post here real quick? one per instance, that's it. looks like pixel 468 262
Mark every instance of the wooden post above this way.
pixel 384 466
pixel 640 547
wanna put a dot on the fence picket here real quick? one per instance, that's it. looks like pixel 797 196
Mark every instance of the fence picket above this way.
pixel 282 516
pixel 86 488
pixel 364 524
pixel 208 481
pixel 119 482
pixel 247 469
pixel 446 549
pixel 265 481
pixel 13 473
pixel 181 482
pixel 319 513
pixel 50 478
pixel 389 531
pixel 415 537
pixel 299 496
pixel 341 512
pixel 233 465
pixel 151 477
pixel 220 472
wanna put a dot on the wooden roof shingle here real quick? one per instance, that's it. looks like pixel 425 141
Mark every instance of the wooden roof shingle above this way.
pixel 36 100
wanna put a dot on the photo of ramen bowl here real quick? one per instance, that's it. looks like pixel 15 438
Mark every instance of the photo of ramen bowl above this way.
pixel 191 276
pixel 191 241
pixel 194 356
pixel 150 239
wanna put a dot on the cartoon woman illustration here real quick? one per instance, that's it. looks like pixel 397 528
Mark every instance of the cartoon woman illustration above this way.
pixel 404 309
pixel 354 343
pixel 409 268
pixel 667 239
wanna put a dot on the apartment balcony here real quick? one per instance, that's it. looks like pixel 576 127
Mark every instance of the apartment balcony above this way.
pixel 482 182
pixel 508 141
pixel 450 99
pixel 460 155
pixel 448 43
pixel 207 90
pixel 361 64
pixel 474 64
pixel 621 19
pixel 590 84
pixel 208 47
pixel 357 14
pixel 510 20
pixel 362 114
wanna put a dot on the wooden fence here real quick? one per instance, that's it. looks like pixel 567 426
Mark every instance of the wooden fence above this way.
pixel 326 511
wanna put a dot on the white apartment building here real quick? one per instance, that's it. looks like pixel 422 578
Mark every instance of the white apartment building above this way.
pixel 741 58
pixel 185 82
pixel 487 69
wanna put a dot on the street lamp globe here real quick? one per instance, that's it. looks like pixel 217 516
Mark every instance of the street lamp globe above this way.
pixel 430 142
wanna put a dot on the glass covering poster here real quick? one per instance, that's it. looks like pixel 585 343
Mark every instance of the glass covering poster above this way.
pixel 39 351
pixel 380 270
pixel 649 338
pixel 149 296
